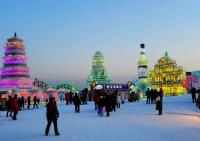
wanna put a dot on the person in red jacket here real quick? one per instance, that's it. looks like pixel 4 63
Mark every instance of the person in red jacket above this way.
pixel 95 99
pixel 52 115
pixel 67 98
pixel 15 107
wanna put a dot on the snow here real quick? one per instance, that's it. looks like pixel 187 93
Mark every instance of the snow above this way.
pixel 133 121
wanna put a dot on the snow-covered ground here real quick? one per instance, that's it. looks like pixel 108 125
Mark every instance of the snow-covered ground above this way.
pixel 134 121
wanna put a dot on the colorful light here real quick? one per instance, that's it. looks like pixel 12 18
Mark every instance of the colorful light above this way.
pixel 15 72
pixel 16 51
pixel 99 74
pixel 18 82
pixel 189 80
pixel 168 75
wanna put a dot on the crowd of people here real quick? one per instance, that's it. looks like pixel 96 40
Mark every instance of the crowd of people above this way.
pixel 155 97
pixel 104 101
pixel 69 98
pixel 108 101
pixel 14 104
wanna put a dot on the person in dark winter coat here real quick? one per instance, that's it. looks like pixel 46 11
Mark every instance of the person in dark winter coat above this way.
pixel 96 100
pixel 155 94
pixel 198 100
pixel 148 96
pixel 29 102
pixel 8 106
pixel 100 106
pixel 159 105
pixel 118 100
pixel 38 101
pixel 108 107
pixel 35 102
pixel 193 92
pixel 161 93
pixel 22 102
pixel 46 100
pixel 19 103
pixel 67 98
pixel 114 101
pixel 84 98
pixel 15 107
pixel 77 103
pixel 52 115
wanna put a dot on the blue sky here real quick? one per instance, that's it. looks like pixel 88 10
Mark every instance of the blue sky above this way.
pixel 61 36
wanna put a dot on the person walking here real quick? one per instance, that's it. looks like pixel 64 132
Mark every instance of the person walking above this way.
pixel 159 105
pixel 15 107
pixel 193 92
pixel 84 98
pixel 52 115
pixel 77 103
pixel 161 93
pixel 155 95
pixel 148 96
pixel 198 100
pixel 35 102
pixel 38 101
pixel 67 98
pixel 22 102
pixel 96 100
pixel 118 100
pixel 122 97
pixel 19 103
pixel 8 106
pixel 100 106
pixel 114 101
pixel 29 102
pixel 108 107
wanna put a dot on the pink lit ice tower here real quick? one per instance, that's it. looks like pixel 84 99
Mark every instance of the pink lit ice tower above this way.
pixel 15 73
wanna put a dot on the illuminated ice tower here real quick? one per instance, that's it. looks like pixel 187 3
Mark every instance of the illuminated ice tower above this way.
pixel 143 66
pixel 98 73
pixel 15 73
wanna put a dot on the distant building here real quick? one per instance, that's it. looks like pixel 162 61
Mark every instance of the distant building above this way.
pixel 168 75
pixel 98 73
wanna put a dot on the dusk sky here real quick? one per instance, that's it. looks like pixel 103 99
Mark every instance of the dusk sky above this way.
pixel 61 36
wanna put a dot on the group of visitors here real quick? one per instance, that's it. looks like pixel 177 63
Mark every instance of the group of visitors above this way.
pixel 109 101
pixel 155 97
pixel 103 100
pixel 69 98
pixel 76 99
pixel 12 107
pixel 152 95
pixel 15 104
pixel 134 96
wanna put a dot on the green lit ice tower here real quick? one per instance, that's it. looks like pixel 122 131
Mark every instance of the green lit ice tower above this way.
pixel 98 73
pixel 143 75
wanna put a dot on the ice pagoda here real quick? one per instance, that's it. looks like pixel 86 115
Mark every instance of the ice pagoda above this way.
pixel 15 73
pixel 99 74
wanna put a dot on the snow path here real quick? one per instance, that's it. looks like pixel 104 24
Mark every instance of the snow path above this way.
pixel 134 121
